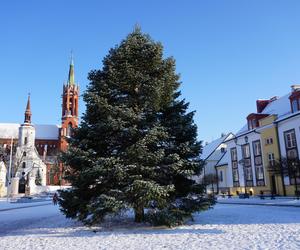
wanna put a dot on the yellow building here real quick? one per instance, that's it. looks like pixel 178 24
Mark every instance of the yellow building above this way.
pixel 258 151
pixel 271 152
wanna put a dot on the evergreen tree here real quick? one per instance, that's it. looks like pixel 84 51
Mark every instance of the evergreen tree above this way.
pixel 136 146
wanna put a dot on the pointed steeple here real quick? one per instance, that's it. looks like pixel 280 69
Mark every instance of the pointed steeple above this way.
pixel 28 111
pixel 71 78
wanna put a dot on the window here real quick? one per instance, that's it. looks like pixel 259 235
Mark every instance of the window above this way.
pixel 295 105
pixel 235 175
pixel 268 141
pixel 246 151
pixel 250 125
pixel 256 148
pixel 290 139
pixel 69 129
pixel 292 154
pixel 221 176
pixel 222 150
pixel 248 174
pixel 271 159
pixel 24 153
pixel 258 160
pixel 233 154
pixel 25 140
pixel 23 165
pixel 260 172
pixel 234 164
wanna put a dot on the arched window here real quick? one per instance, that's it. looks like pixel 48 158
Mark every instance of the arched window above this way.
pixel 69 129
pixel 24 165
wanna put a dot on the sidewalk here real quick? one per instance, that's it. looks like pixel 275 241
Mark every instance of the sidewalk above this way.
pixel 12 204
pixel 278 201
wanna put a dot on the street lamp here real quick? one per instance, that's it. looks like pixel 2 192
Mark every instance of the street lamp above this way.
pixel 236 140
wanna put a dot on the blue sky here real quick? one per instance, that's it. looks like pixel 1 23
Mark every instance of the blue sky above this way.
pixel 229 53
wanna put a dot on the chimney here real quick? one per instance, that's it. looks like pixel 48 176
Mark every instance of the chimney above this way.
pixel 295 87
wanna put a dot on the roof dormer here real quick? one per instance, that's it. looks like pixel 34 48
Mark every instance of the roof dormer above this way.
pixel 295 98
pixel 253 120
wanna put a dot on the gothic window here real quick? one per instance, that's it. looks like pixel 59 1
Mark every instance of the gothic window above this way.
pixel 69 129
pixel 24 165
pixel 76 107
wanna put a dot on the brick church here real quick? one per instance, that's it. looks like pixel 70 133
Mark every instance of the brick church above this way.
pixel 36 146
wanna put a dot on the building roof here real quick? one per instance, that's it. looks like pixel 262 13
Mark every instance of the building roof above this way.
pixel 8 130
pixel 43 132
pixel 212 146
pixel 280 106
pixel 224 160
pixel 47 132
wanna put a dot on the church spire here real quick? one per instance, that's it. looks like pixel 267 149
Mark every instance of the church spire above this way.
pixel 71 78
pixel 28 111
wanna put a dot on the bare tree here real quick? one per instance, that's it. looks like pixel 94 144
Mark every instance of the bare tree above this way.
pixel 210 179
pixel 287 167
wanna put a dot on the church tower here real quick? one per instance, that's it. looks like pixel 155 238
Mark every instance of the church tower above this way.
pixel 70 98
pixel 26 163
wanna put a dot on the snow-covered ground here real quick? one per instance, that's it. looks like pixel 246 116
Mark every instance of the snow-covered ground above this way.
pixel 224 227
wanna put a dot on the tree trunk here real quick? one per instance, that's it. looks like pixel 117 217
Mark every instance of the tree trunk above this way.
pixel 139 214
pixel 282 181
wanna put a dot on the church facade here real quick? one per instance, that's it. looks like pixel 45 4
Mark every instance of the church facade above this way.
pixel 36 147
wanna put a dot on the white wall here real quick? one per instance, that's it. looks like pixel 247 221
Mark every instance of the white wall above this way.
pixel 253 136
pixel 291 123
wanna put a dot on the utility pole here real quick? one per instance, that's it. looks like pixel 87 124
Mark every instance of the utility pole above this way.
pixel 9 169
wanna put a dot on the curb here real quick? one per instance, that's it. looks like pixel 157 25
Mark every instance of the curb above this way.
pixel 259 204
pixel 13 208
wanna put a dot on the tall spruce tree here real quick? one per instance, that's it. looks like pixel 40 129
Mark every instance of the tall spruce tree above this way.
pixel 136 147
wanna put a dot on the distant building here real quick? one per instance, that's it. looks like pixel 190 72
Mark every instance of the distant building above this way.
pixel 212 153
pixel 36 147
pixel 272 133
